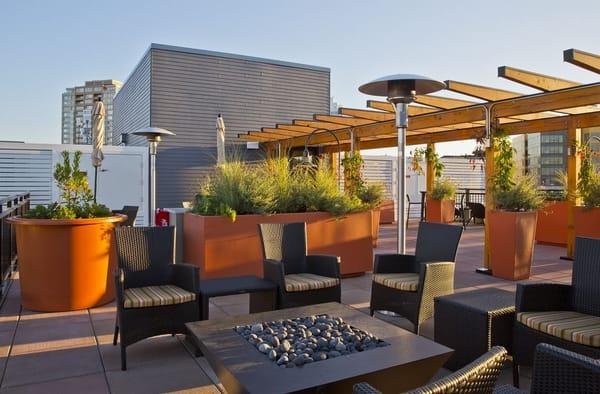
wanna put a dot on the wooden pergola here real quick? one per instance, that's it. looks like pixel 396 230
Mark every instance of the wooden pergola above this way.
pixel 560 105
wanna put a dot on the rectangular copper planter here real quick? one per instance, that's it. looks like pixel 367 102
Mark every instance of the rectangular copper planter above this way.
pixel 512 236
pixel 552 223
pixel 440 211
pixel 387 212
pixel 220 247
pixel 587 222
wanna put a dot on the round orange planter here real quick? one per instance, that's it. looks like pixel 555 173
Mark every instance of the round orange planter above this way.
pixel 439 211
pixel 512 236
pixel 66 264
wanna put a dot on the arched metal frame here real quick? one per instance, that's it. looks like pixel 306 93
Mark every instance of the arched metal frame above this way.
pixel 306 153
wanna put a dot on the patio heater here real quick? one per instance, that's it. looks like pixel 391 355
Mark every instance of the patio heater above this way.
pixel 153 136
pixel 400 90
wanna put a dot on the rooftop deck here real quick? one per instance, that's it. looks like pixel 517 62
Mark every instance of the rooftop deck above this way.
pixel 73 352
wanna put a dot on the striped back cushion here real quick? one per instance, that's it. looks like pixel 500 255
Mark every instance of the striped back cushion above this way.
pixel 404 281
pixel 304 282
pixel 144 297
pixel 571 326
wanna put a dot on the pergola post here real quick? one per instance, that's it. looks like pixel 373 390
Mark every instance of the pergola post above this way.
pixel 430 175
pixel 573 162
pixel 490 153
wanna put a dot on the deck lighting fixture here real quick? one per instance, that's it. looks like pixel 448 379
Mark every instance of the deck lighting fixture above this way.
pixel 400 90
pixel 153 135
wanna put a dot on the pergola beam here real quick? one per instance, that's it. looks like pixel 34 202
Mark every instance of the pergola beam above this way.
pixel 413 110
pixel 293 127
pixel 343 120
pixel 586 60
pixel 534 80
pixel 318 124
pixel 481 92
pixel 366 114
pixel 443 102
pixel 289 133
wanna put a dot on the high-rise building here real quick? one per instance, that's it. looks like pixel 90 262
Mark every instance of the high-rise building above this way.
pixel 545 154
pixel 77 104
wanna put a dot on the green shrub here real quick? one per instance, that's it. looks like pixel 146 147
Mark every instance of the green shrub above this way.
pixel 372 194
pixel 524 195
pixel 591 195
pixel 76 198
pixel 443 189
pixel 273 186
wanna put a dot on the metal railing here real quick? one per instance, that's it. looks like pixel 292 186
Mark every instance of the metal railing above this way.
pixel 14 205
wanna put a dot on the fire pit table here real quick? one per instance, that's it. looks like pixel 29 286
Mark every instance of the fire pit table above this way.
pixel 391 359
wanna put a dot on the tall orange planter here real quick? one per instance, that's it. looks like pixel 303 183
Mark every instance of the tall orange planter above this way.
pixel 387 212
pixel 439 211
pixel 375 220
pixel 552 223
pixel 512 236
pixel 66 264
pixel 220 247
pixel 587 222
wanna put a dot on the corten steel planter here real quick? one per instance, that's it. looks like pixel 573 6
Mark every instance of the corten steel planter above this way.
pixel 387 213
pixel 439 211
pixel 552 223
pixel 221 248
pixel 66 264
pixel 375 221
pixel 587 222
pixel 512 236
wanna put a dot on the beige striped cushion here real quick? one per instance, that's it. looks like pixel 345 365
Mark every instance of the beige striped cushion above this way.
pixel 142 297
pixel 571 326
pixel 303 282
pixel 404 281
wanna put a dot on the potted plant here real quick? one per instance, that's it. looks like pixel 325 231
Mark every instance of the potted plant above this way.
pixel 587 217
pixel 64 249
pixel 440 202
pixel 238 196
pixel 512 223
pixel 552 218
pixel 372 196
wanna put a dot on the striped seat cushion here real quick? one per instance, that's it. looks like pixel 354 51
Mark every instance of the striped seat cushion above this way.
pixel 143 297
pixel 404 281
pixel 304 282
pixel 571 326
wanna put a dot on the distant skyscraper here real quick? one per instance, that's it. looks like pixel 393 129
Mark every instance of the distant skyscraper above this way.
pixel 77 103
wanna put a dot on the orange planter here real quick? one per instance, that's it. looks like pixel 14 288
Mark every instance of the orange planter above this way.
pixel 439 211
pixel 66 264
pixel 387 212
pixel 552 223
pixel 220 247
pixel 587 222
pixel 512 236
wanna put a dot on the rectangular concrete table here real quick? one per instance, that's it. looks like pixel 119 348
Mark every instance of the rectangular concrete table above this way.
pixel 410 360
pixel 263 293
pixel 472 322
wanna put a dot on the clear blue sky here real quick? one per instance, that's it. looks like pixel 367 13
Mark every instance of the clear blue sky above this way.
pixel 47 46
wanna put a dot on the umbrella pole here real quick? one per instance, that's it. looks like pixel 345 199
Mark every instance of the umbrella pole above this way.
pixel 95 182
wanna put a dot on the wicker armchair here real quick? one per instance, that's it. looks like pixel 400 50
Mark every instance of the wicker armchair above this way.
pixel 559 371
pixel 407 284
pixel 301 279
pixel 480 376
pixel 154 295
pixel 130 211
pixel 567 316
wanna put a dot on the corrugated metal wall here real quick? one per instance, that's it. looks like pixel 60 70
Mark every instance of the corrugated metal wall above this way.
pixel 26 170
pixel 131 106
pixel 466 174
pixel 190 88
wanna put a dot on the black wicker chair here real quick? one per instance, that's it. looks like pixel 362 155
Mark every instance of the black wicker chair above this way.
pixel 154 295
pixel 301 279
pixel 479 376
pixel 130 211
pixel 407 284
pixel 559 371
pixel 539 306
pixel 477 210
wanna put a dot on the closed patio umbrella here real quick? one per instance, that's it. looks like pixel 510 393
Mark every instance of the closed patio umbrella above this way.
pixel 220 140
pixel 98 139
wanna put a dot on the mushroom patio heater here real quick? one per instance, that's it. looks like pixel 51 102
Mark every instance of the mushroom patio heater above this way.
pixel 153 136
pixel 400 90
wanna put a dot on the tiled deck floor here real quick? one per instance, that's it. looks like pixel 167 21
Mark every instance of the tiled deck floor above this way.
pixel 73 352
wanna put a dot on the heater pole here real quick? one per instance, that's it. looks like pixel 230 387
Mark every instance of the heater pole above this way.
pixel 401 124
